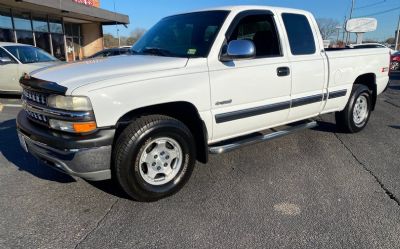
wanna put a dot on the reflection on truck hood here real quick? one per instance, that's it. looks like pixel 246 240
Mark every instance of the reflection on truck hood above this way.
pixel 73 75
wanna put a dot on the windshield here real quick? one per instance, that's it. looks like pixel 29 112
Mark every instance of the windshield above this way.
pixel 186 35
pixel 28 54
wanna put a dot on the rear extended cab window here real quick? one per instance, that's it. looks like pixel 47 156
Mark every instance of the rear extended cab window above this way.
pixel 301 37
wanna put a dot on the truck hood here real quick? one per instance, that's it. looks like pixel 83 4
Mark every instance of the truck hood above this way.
pixel 77 74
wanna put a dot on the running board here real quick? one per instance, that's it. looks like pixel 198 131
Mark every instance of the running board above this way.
pixel 260 138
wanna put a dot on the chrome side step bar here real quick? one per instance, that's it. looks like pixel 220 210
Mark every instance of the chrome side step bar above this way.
pixel 220 149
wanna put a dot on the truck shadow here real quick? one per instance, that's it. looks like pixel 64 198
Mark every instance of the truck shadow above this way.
pixel 110 187
pixel 324 126
pixel 12 151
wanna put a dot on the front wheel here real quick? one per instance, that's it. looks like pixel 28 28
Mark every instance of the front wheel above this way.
pixel 154 157
pixel 354 118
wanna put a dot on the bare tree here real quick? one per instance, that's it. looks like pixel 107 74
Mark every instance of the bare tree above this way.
pixel 135 35
pixel 328 27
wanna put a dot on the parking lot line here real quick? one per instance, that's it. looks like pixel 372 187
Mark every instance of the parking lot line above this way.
pixel 9 105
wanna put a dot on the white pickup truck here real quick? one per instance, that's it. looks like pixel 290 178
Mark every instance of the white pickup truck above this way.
pixel 197 83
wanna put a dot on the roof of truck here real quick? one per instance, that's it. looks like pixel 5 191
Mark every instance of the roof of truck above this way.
pixel 239 8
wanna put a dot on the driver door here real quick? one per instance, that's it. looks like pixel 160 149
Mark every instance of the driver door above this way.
pixel 9 80
pixel 251 95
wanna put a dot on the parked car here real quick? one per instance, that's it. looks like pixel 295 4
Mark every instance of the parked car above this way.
pixel 17 59
pixel 371 45
pixel 111 52
pixel 395 62
pixel 200 83
pixel 395 66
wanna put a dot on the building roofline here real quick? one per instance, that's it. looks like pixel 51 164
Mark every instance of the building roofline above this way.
pixel 69 8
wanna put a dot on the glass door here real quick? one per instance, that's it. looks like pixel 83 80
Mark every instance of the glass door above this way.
pixel 70 49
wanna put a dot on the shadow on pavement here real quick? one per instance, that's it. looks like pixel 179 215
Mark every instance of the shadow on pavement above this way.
pixel 327 127
pixel 110 187
pixel 394 87
pixel 12 151
pixel 395 126
pixel 10 96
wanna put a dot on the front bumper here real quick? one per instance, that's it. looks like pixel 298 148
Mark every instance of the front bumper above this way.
pixel 88 156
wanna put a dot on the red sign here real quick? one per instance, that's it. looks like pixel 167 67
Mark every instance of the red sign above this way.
pixel 93 3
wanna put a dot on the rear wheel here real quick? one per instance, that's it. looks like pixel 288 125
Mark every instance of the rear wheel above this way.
pixel 356 115
pixel 154 157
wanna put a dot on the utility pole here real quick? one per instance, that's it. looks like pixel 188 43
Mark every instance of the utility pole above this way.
pixel 396 46
pixel 353 3
pixel 116 25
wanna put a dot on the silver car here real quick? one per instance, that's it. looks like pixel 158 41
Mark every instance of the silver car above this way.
pixel 17 59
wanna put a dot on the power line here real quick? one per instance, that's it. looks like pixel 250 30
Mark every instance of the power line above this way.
pixel 370 5
pixel 382 12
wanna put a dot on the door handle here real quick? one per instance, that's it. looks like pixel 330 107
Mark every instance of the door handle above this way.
pixel 283 71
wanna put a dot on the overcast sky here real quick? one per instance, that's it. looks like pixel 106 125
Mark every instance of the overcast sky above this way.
pixel 144 14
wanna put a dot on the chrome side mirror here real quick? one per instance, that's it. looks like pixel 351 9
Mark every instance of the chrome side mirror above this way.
pixel 239 50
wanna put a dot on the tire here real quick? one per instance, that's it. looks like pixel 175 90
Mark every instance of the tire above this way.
pixel 354 118
pixel 154 157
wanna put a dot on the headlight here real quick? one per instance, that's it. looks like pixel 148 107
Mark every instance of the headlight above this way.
pixel 69 103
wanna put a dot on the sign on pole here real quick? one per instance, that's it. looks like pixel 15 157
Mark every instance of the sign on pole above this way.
pixel 361 26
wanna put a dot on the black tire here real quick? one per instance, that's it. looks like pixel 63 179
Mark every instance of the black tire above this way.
pixel 130 146
pixel 345 119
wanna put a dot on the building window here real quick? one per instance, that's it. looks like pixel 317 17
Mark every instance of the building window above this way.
pixel 25 37
pixel 6 26
pixel 56 26
pixel 6 35
pixel 58 46
pixel 40 24
pixel 43 41
pixel 22 21
pixel 5 19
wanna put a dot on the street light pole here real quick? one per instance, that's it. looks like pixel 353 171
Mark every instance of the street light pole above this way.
pixel 353 3
pixel 396 46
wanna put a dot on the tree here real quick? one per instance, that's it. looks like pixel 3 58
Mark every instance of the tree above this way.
pixel 135 35
pixel 327 27
pixel 391 40
pixel 110 41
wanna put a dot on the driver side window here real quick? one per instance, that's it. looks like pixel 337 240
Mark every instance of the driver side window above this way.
pixel 261 30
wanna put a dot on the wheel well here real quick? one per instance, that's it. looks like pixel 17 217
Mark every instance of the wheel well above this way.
pixel 369 80
pixel 183 111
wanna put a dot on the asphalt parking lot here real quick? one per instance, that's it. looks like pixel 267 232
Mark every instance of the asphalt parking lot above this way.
pixel 315 189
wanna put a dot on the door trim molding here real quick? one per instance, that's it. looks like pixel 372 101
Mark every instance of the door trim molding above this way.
pixel 261 110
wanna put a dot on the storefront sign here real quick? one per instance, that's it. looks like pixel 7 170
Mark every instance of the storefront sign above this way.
pixel 93 3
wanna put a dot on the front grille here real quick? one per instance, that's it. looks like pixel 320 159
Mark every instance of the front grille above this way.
pixel 39 118
pixel 37 97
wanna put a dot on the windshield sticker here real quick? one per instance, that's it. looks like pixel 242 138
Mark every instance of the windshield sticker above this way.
pixel 191 51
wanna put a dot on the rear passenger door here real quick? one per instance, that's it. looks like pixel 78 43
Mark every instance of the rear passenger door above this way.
pixel 308 66
pixel 250 95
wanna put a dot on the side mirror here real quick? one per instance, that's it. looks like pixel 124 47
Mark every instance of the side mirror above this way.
pixel 5 60
pixel 239 50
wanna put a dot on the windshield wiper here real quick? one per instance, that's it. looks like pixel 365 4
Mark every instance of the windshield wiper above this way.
pixel 156 51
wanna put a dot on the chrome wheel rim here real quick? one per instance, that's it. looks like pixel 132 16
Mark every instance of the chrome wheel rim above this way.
pixel 360 111
pixel 161 161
